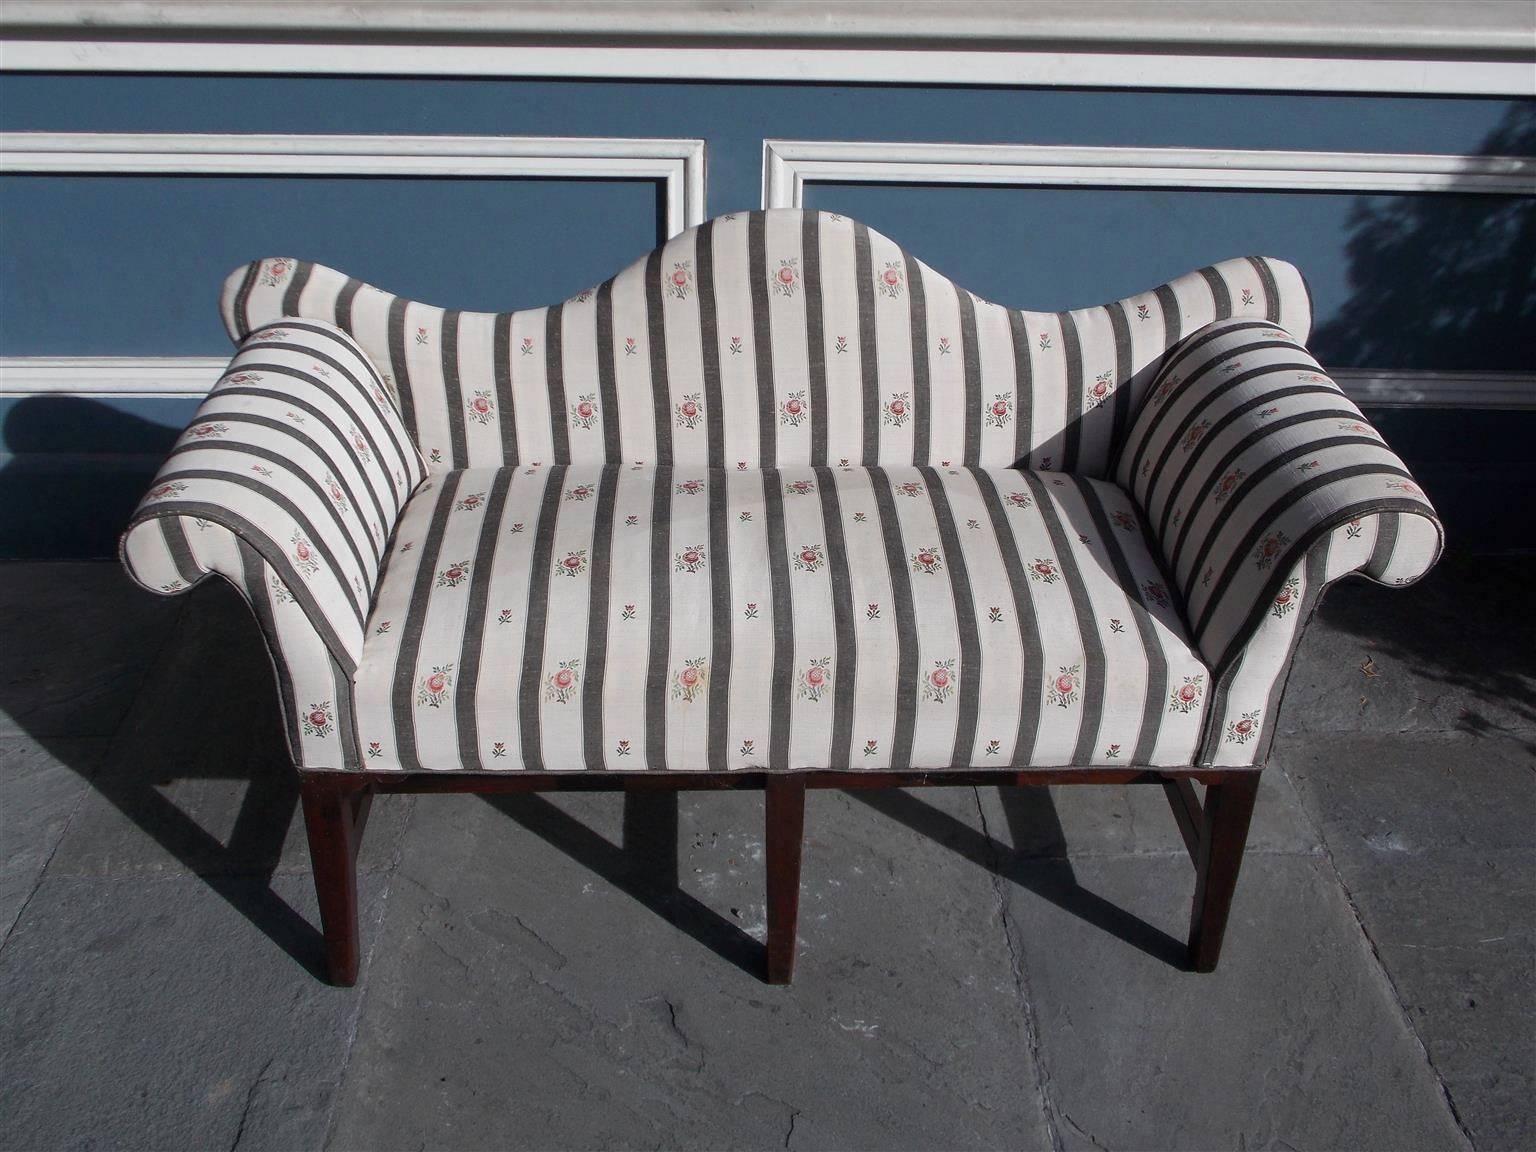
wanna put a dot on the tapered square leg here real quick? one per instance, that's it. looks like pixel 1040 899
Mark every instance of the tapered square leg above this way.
pixel 784 806
pixel 1223 837
pixel 335 812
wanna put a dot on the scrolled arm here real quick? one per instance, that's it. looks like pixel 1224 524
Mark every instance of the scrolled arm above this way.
pixel 1261 483
pixel 288 484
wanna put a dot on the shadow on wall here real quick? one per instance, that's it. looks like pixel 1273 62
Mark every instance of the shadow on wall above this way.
pixel 73 472
pixel 1442 281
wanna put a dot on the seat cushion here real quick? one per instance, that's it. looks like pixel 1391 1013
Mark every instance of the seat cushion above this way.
pixel 597 618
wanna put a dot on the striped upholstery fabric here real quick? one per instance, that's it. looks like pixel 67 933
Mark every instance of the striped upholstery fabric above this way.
pixel 1261 483
pixel 778 496
pixel 288 484
pixel 771 338
pixel 570 617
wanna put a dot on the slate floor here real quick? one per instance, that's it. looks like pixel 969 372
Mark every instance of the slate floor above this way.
pixel 978 969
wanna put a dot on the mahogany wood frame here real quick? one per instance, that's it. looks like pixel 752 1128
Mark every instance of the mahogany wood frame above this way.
pixel 1215 832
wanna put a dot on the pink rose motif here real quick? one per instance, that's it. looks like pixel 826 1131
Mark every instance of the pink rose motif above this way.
pixel 1065 684
pixel 786 275
pixel 453 573
pixel 939 678
pixel 926 558
pixel 1043 568
pixel 999 409
pixel 898 407
pixel 689 409
pixel 815 677
pixel 1188 693
pixel 572 562
pixel 809 556
pixel 1284 598
pixel 792 406
pixel 481 405
pixel 891 277
pixel 359 443
pixel 301 550
pixel 1270 548
pixel 563 678
pixel 688 677
pixel 585 410
pixel 1099 390
pixel 436 683
pixel 318 719
pixel 690 556
pixel 680 278
pixel 1243 727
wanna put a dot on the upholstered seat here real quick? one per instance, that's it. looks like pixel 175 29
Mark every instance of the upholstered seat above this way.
pixel 586 617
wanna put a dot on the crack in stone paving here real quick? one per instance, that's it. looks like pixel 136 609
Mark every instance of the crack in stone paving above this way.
pixel 1021 986
pixel 250 1099
pixel 1386 975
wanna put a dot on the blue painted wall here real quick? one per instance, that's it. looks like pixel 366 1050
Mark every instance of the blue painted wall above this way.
pixel 131 265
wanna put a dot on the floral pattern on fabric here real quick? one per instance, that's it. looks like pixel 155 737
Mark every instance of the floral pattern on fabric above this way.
pixel 787 278
pixel 939 681
pixel 1245 728
pixel 927 560
pixel 561 683
pixel 433 690
pixel 1186 697
pixel 1063 690
pixel 688 681
pixel 1000 411
pixel 318 720
pixel 584 411
pixel 816 679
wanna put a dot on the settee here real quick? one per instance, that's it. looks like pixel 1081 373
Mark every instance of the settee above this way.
pixel 778 506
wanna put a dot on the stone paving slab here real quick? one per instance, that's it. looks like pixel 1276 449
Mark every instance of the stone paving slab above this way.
pixel 40 788
pixel 1294 1042
pixel 199 778
pixel 1434 841
pixel 1452 653
pixel 530 991
pixel 161 1014
pixel 77 640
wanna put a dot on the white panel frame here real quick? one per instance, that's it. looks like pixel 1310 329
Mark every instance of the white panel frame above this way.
pixel 789 164
pixel 678 164
pixel 1278 68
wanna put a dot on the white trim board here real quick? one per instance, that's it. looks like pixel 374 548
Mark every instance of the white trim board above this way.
pixel 190 377
pixel 789 164
pixel 1399 25
pixel 678 164
pixel 1279 69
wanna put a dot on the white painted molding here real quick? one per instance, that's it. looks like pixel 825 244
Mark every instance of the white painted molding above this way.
pixel 111 377
pixel 678 164
pixel 1363 69
pixel 1399 25
pixel 190 377
pixel 1385 388
pixel 789 164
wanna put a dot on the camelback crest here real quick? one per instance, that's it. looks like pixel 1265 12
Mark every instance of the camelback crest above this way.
pixel 758 339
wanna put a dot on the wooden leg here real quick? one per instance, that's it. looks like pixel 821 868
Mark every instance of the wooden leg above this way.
pixel 785 807
pixel 1223 836
pixel 334 815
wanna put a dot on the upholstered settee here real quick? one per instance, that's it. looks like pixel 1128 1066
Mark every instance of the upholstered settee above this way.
pixel 778 506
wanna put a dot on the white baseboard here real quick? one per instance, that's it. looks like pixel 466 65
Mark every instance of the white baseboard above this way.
pixel 190 377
